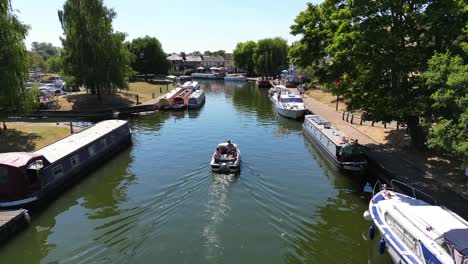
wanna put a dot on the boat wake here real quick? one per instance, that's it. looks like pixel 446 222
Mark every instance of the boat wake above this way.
pixel 216 210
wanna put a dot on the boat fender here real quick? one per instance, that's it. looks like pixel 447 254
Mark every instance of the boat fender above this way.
pixel 371 232
pixel 367 216
pixel 27 217
pixel 382 246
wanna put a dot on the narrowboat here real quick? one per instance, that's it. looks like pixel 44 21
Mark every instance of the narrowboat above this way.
pixel 235 78
pixel 196 99
pixel 415 231
pixel 213 75
pixel 226 158
pixel 165 102
pixel 180 101
pixel 28 178
pixel 342 152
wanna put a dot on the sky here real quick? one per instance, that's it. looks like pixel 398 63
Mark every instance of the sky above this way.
pixel 180 25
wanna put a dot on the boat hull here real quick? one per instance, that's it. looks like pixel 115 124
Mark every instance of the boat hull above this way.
pixel 289 113
pixel 197 106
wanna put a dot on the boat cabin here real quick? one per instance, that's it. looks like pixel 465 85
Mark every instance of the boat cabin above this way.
pixel 20 174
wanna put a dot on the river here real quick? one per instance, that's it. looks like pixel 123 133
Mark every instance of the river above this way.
pixel 158 202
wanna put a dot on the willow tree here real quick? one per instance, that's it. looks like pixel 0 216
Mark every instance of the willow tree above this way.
pixel 378 51
pixel 13 59
pixel 271 56
pixel 93 54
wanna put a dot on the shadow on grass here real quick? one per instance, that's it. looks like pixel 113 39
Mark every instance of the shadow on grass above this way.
pixel 13 140
pixel 90 102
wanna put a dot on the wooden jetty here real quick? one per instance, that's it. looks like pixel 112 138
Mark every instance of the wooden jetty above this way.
pixel 12 222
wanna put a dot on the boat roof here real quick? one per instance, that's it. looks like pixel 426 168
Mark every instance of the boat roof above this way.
pixel 68 145
pixel 171 93
pixel 196 94
pixel 17 159
pixel 458 238
pixel 332 133
pixel 434 221
pixel 190 84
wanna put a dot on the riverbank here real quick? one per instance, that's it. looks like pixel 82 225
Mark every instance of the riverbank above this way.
pixel 391 153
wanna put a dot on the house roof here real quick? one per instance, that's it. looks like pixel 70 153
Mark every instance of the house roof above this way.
pixel 228 56
pixel 193 58
pixel 213 58
pixel 174 57
pixel 17 159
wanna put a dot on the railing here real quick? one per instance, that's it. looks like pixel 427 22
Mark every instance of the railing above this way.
pixel 422 195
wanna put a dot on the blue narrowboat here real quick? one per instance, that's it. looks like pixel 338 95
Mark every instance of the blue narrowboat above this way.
pixel 27 178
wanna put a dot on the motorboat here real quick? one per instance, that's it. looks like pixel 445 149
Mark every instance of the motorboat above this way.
pixel 191 85
pixel 213 75
pixel 414 229
pixel 180 101
pixel 226 158
pixel 288 104
pixel 262 83
pixel 235 78
pixel 345 154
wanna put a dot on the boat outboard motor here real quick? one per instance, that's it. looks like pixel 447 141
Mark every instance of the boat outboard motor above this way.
pixel 224 167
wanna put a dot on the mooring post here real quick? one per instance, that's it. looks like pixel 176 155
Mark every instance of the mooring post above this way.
pixel 352 118
pixel 361 120
pixel 385 124
pixel 343 116
pixel 153 95
pixel 397 125
pixel 160 89
pixel 347 117
pixel 138 99
pixel 372 123
pixel 71 128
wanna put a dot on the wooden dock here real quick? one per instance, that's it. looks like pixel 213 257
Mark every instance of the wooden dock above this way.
pixel 12 222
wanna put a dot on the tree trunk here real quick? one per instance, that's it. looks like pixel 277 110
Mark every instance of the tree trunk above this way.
pixel 418 137
pixel 4 126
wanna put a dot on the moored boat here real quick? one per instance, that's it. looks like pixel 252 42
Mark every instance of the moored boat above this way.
pixel 213 75
pixel 28 178
pixel 343 153
pixel 191 85
pixel 226 158
pixel 264 83
pixel 235 78
pixel 196 99
pixel 180 101
pixel 165 102
pixel 287 103
pixel 415 231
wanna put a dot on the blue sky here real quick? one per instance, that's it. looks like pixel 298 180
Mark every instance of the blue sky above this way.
pixel 180 25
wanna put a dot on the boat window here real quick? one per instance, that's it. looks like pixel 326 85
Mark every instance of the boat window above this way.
pixel 291 100
pixel 57 171
pixel 75 160
pixel 411 242
pixel 3 175
pixel 92 150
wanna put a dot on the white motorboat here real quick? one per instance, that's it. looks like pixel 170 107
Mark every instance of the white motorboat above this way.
pixel 191 85
pixel 287 103
pixel 235 78
pixel 342 152
pixel 226 158
pixel 414 231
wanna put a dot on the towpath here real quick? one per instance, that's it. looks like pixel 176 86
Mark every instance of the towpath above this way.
pixel 446 191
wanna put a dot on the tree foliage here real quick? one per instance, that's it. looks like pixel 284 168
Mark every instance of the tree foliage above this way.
pixel 13 60
pixel 271 56
pixel 44 49
pixel 243 56
pixel 378 50
pixel 149 57
pixel 215 53
pixel 54 64
pixel 35 61
pixel 93 54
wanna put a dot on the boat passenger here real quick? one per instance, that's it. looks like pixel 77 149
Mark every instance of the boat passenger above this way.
pixel 217 154
pixel 234 156
pixel 230 147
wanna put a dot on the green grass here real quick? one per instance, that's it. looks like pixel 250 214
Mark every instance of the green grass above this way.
pixel 30 137
pixel 146 90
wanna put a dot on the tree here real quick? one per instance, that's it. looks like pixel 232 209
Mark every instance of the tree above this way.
pixel 35 61
pixel 448 77
pixel 44 49
pixel 243 56
pixel 271 56
pixel 54 64
pixel 149 57
pixel 93 54
pixel 377 51
pixel 13 60
pixel 207 53
pixel 197 53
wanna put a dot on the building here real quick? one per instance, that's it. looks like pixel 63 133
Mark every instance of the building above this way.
pixel 212 61
pixel 192 62
pixel 229 65
pixel 177 63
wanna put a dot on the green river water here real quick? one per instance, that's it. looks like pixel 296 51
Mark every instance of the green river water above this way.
pixel 158 202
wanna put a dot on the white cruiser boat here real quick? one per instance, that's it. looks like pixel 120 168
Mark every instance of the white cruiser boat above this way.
pixel 235 78
pixel 343 153
pixel 414 231
pixel 191 85
pixel 226 159
pixel 287 103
